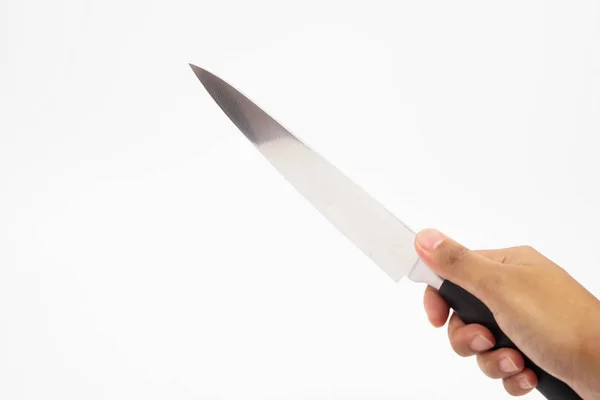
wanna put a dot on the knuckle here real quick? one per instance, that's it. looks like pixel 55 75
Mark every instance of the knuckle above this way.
pixel 459 344
pixel 486 366
pixel 511 386
pixel 526 249
pixel 461 348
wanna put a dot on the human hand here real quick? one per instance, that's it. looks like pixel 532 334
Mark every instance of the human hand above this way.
pixel 548 315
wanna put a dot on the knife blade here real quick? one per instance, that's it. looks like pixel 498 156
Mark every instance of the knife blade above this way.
pixel 369 225
pixel 386 240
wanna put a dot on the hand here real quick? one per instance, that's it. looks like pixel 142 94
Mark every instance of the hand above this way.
pixel 548 315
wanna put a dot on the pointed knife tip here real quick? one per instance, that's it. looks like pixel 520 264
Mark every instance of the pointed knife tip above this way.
pixel 203 75
pixel 196 68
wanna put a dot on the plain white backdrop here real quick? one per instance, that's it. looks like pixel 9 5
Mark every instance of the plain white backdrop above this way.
pixel 148 251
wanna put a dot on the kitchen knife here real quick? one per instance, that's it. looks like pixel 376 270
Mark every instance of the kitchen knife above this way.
pixel 387 241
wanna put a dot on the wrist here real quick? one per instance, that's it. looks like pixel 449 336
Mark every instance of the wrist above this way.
pixel 586 362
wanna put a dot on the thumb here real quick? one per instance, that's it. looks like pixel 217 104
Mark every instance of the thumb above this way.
pixel 452 261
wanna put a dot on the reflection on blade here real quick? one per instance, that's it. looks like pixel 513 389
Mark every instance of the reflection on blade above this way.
pixel 363 220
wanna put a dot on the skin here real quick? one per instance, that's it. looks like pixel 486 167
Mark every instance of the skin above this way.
pixel 549 316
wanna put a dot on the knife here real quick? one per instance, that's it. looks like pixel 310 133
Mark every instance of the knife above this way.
pixel 386 240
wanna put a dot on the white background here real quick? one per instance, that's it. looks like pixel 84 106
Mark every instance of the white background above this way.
pixel 147 251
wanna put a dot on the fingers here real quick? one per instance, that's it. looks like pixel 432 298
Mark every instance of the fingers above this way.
pixel 521 383
pixel 501 363
pixel 449 259
pixel 436 308
pixel 467 340
pixel 480 273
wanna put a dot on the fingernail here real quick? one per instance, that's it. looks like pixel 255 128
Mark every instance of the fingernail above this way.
pixel 480 343
pixel 429 239
pixel 524 384
pixel 507 365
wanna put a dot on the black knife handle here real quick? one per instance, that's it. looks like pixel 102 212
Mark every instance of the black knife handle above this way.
pixel 472 311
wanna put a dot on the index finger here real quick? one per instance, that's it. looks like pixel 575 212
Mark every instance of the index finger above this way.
pixel 436 307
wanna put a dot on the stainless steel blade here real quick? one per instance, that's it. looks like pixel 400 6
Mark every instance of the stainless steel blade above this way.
pixel 367 223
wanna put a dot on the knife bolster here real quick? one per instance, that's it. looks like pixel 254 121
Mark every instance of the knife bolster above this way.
pixel 421 273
